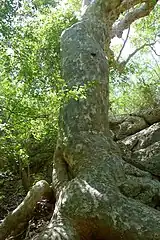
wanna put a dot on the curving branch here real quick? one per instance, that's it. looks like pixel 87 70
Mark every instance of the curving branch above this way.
pixel 121 65
pixel 132 16
pixel 137 50
pixel 126 5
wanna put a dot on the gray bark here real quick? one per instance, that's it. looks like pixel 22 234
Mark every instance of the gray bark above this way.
pixel 98 194
pixel 143 149
pixel 88 175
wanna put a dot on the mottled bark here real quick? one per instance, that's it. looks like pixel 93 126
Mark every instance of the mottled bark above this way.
pixel 88 174
pixel 98 194
pixel 139 12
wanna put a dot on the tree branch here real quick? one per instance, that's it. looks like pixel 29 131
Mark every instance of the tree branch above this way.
pixel 124 43
pixel 137 50
pixel 130 17
pixel 154 51
pixel 121 65
pixel 126 5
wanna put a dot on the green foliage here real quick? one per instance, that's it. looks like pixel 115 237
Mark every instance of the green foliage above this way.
pixel 137 86
pixel 8 8
pixel 147 29
pixel 31 86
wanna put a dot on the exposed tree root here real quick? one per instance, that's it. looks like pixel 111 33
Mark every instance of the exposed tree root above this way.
pixel 92 206
pixel 24 211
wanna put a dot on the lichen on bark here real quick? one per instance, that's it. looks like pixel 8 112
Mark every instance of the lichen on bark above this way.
pixel 91 204
pixel 89 174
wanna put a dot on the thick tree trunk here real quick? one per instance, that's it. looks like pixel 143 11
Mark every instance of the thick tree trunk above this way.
pixel 93 201
pixel 88 171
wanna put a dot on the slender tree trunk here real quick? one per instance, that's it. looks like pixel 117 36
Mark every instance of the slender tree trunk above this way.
pixel 88 170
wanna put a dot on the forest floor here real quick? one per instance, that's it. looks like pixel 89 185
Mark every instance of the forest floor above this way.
pixel 11 195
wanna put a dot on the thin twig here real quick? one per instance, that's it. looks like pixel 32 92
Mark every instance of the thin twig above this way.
pixel 137 50
pixel 154 51
pixel 124 43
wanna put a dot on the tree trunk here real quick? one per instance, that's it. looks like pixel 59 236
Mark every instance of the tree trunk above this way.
pixel 88 171
pixel 89 177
